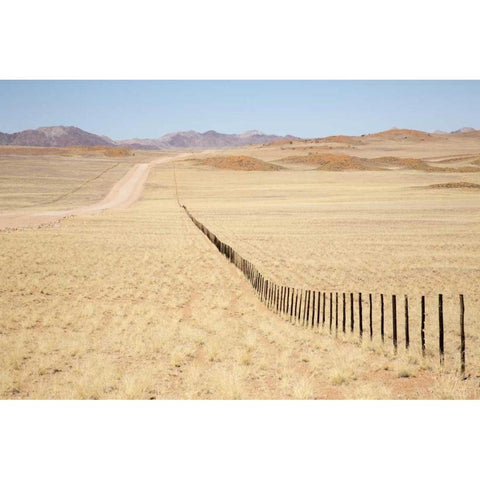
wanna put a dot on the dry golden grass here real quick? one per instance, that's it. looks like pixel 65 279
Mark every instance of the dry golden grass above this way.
pixel 43 183
pixel 356 232
pixel 137 303
pixel 47 179
pixel 9 150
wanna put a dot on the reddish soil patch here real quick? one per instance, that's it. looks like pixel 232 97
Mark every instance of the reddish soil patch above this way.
pixel 402 134
pixel 334 162
pixel 238 163
pixel 400 163
pixel 341 139
pixel 330 161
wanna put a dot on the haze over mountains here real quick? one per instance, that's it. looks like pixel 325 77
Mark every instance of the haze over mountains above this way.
pixel 61 136
pixel 210 139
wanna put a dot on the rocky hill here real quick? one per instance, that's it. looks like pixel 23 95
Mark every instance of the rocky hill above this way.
pixel 206 140
pixel 54 137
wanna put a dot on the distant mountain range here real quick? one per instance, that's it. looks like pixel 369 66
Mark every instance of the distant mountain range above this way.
pixel 53 137
pixel 210 139
pixel 464 130
pixel 61 136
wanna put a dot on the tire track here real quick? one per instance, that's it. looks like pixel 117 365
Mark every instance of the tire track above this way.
pixel 123 194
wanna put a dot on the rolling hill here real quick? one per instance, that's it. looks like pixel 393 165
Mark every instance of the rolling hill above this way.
pixel 59 136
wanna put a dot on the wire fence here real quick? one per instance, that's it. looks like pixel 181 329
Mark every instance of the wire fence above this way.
pixel 342 312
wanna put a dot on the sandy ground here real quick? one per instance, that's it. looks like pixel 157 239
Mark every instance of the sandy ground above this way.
pixel 137 303
pixel 174 321
pixel 123 194
pixel 368 232
pixel 435 150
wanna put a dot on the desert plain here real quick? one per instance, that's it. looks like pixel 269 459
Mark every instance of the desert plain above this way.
pixel 109 291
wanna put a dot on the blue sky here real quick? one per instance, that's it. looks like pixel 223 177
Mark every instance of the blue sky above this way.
pixel 149 109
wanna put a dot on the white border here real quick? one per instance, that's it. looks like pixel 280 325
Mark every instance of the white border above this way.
pixel 252 39
pixel 239 40
pixel 238 440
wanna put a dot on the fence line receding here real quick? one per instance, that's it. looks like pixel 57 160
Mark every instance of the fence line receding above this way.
pixel 311 309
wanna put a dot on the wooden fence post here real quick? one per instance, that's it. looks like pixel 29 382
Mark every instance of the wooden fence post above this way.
pixel 291 304
pixel 309 297
pixel 288 301
pixel 336 312
pixel 307 316
pixel 422 326
pixel 371 319
pixel 313 309
pixel 352 319
pixel 310 309
pixel 300 306
pixel 344 319
pixel 277 298
pixel 407 329
pixel 382 318
pixel 462 337
pixel 323 310
pixel 331 316
pixel 277 292
pixel 319 295
pixel 307 307
pixel 441 345
pixel 295 309
pixel 305 310
pixel 394 321
pixel 360 319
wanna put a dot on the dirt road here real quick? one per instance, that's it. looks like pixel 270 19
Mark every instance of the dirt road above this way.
pixel 123 194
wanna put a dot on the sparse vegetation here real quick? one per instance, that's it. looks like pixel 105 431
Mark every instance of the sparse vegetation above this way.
pixel 236 162
pixel 136 303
